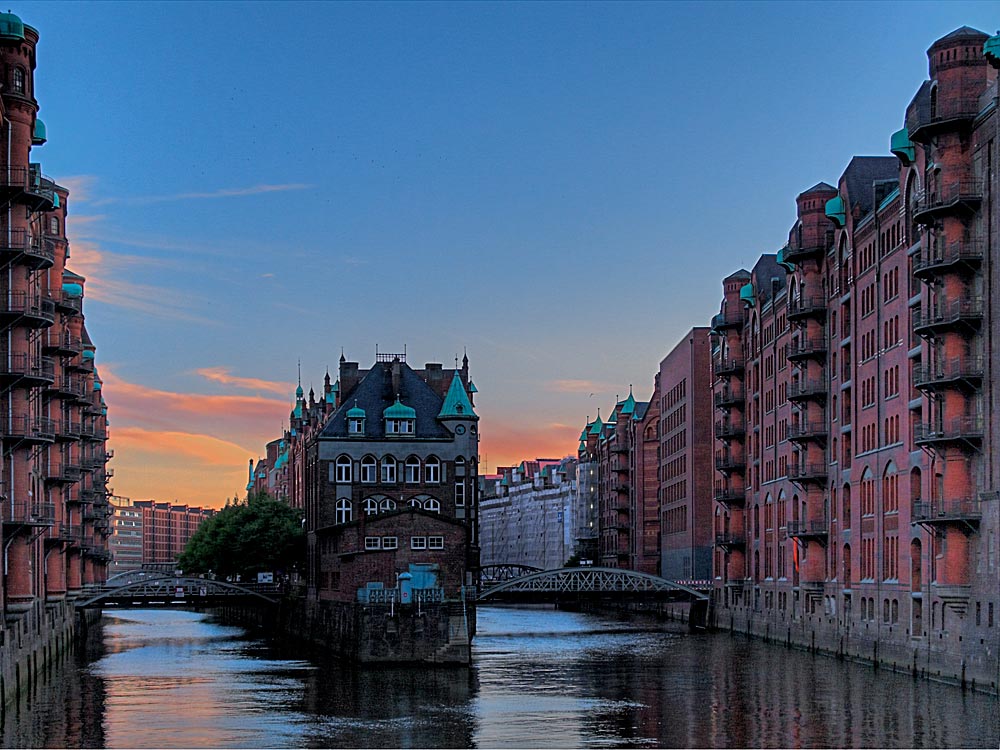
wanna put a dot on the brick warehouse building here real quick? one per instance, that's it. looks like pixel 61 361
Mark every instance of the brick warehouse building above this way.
pixel 53 460
pixel 391 482
pixel 857 508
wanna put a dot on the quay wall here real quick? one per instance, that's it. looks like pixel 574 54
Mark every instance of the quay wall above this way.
pixel 37 638
pixel 431 633
pixel 950 657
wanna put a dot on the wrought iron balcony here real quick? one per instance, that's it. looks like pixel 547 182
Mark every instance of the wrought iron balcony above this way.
pixel 957 198
pixel 28 186
pixel 67 430
pixel 733 497
pixel 729 429
pixel 63 474
pixel 621 487
pixel 965 432
pixel 801 432
pixel 966 511
pixel 955 315
pixel 810 248
pixel 28 513
pixel 67 386
pixel 814 473
pixel 23 248
pixel 64 343
pixel 727 319
pixel 730 366
pixel 728 398
pixel 36 430
pixel 728 463
pixel 949 114
pixel 807 390
pixel 807 307
pixel 730 540
pixel 27 369
pixel 71 304
pixel 965 373
pixel 95 433
pixel 806 348
pixel 808 530
pixel 66 532
pixel 31 309
pixel 962 256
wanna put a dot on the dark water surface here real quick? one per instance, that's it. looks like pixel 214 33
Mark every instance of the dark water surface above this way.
pixel 163 678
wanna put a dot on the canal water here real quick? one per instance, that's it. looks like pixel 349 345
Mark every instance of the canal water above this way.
pixel 541 678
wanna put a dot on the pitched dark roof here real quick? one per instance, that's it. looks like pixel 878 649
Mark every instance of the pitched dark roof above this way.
pixel 768 278
pixel 862 174
pixel 963 32
pixel 374 394
pixel 819 187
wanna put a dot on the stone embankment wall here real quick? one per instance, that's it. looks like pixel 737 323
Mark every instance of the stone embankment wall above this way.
pixel 437 633
pixel 36 639
pixel 948 657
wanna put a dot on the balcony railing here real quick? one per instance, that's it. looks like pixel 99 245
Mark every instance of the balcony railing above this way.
pixel 727 319
pixel 69 386
pixel 814 247
pixel 63 474
pixel 960 197
pixel 729 429
pixel 728 397
pixel 730 366
pixel 30 429
pixel 35 310
pixel 819 530
pixel 70 303
pixel 966 510
pixel 802 431
pixel 730 540
pixel 65 532
pixel 949 114
pixel 729 463
pixel 962 431
pixel 806 390
pixel 731 496
pixel 965 255
pixel 807 307
pixel 28 183
pixel 805 348
pixel 810 472
pixel 63 343
pixel 30 250
pixel 30 369
pixel 966 313
pixel 28 513
pixel 963 372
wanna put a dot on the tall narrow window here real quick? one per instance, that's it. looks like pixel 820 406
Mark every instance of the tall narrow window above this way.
pixel 413 470
pixel 388 470
pixel 368 470
pixel 17 83
pixel 344 511
pixel 433 470
pixel 343 469
pixel 460 493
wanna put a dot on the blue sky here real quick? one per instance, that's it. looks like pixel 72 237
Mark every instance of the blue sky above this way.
pixel 557 187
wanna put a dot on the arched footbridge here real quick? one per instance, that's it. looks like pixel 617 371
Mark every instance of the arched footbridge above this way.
pixel 566 585
pixel 174 591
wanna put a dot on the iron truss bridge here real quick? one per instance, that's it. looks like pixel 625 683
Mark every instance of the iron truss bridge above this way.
pixel 175 591
pixel 563 583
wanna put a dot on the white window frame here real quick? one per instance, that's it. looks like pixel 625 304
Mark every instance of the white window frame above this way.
pixel 373 543
pixel 433 505
pixel 356 426
pixel 418 542
pixel 345 511
pixel 343 470
pixel 435 542
pixel 369 470
pixel 371 506
pixel 412 470
pixel 387 504
pixel 390 542
pixel 388 470
pixel 460 494
pixel 432 470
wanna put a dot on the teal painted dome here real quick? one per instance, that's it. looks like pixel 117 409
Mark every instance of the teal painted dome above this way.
pixel 73 290
pixel 97 385
pixel 299 392
pixel 11 27
pixel 399 411
pixel 356 412
pixel 40 134
pixel 88 354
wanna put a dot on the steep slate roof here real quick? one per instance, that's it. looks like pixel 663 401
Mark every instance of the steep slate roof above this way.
pixel 768 278
pixel 374 394
pixel 862 173
pixel 963 32
pixel 641 408
pixel 819 187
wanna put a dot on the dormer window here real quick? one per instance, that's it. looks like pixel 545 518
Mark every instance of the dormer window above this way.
pixel 400 419
pixel 356 420
pixel 399 426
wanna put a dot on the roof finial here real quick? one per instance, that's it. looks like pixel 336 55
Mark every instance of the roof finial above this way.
pixel 342 354
pixel 456 361
pixel 300 371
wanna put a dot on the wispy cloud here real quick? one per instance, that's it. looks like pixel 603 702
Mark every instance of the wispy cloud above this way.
pixel 577 386
pixel 221 375
pixel 202 449
pixel 220 193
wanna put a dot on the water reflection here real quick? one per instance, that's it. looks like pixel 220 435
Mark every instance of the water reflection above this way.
pixel 541 679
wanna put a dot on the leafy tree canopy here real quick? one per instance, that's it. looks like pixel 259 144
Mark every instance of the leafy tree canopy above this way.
pixel 247 537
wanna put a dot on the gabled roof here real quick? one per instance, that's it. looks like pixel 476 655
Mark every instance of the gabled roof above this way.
pixel 962 32
pixel 456 401
pixel 819 187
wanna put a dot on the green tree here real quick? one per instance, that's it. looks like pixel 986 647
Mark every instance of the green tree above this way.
pixel 260 535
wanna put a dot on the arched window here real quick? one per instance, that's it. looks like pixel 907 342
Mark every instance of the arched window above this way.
pixel 17 81
pixel 386 504
pixel 432 470
pixel 371 506
pixel 344 511
pixel 389 470
pixel 416 502
pixel 368 470
pixel 413 470
pixel 433 505
pixel 343 469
